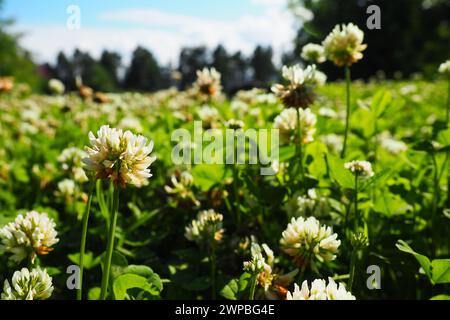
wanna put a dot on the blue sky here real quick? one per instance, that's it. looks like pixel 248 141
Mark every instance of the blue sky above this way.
pixel 163 26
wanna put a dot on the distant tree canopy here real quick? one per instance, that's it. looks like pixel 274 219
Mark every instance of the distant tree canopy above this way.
pixel 414 35
pixel 14 60
pixel 143 74
pixel 237 70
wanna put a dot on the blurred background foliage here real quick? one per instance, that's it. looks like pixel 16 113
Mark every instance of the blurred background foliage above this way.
pixel 414 38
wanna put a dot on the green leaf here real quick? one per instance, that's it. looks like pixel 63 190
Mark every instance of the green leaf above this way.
pixel 128 281
pixel 234 289
pixel 146 272
pixel 89 260
pixel 423 260
pixel 286 153
pixel 440 271
pixel 317 167
pixel 341 175
pixel 380 102
pixel 441 297
pixel 377 178
pixel 391 204
pixel 94 293
pixel 207 175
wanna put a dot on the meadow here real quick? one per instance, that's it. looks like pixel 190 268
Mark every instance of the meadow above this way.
pixel 377 228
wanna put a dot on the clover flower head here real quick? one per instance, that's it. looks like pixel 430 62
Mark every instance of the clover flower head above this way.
pixel 208 82
pixel 261 264
pixel 234 124
pixel 287 123
pixel 391 144
pixel 314 53
pixel 56 86
pixel 208 114
pixel 119 156
pixel 66 189
pixel 28 285
pixel 344 45
pixel 207 227
pixel 360 168
pixel 71 160
pixel 305 239
pixel 181 187
pixel 444 68
pixel 299 92
pixel 307 205
pixel 28 236
pixel 320 290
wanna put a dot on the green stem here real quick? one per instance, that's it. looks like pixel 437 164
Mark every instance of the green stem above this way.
pixel 110 246
pixel 213 271
pixel 352 269
pixel 448 104
pixel 299 149
pixel 435 201
pixel 236 196
pixel 253 287
pixel 356 205
pixel 83 238
pixel 347 116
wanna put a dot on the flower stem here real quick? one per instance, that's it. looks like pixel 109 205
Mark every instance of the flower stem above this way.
pixel 347 115
pixel 448 104
pixel 299 149
pixel 353 257
pixel 236 196
pixel 83 237
pixel 356 204
pixel 110 245
pixel 435 199
pixel 252 287
pixel 352 269
pixel 213 271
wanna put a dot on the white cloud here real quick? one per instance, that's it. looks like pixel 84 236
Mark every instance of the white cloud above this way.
pixel 166 33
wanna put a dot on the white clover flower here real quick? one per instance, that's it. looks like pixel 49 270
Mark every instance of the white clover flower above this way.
pixel 120 156
pixel 266 98
pixel 71 160
pixel 234 124
pixel 287 123
pixel 56 86
pixel 130 123
pixel 392 145
pixel 299 92
pixel 208 82
pixel 28 285
pixel 239 107
pixel 181 187
pixel 444 68
pixel 66 189
pixel 360 168
pixel 261 265
pixel 313 52
pixel 320 291
pixel 333 141
pixel 344 45
pixel 305 239
pixel 207 227
pixel 208 114
pixel 328 112
pixel 28 236
pixel 307 205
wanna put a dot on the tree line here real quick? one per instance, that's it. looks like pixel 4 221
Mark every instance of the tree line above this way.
pixel 414 37
pixel 144 73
